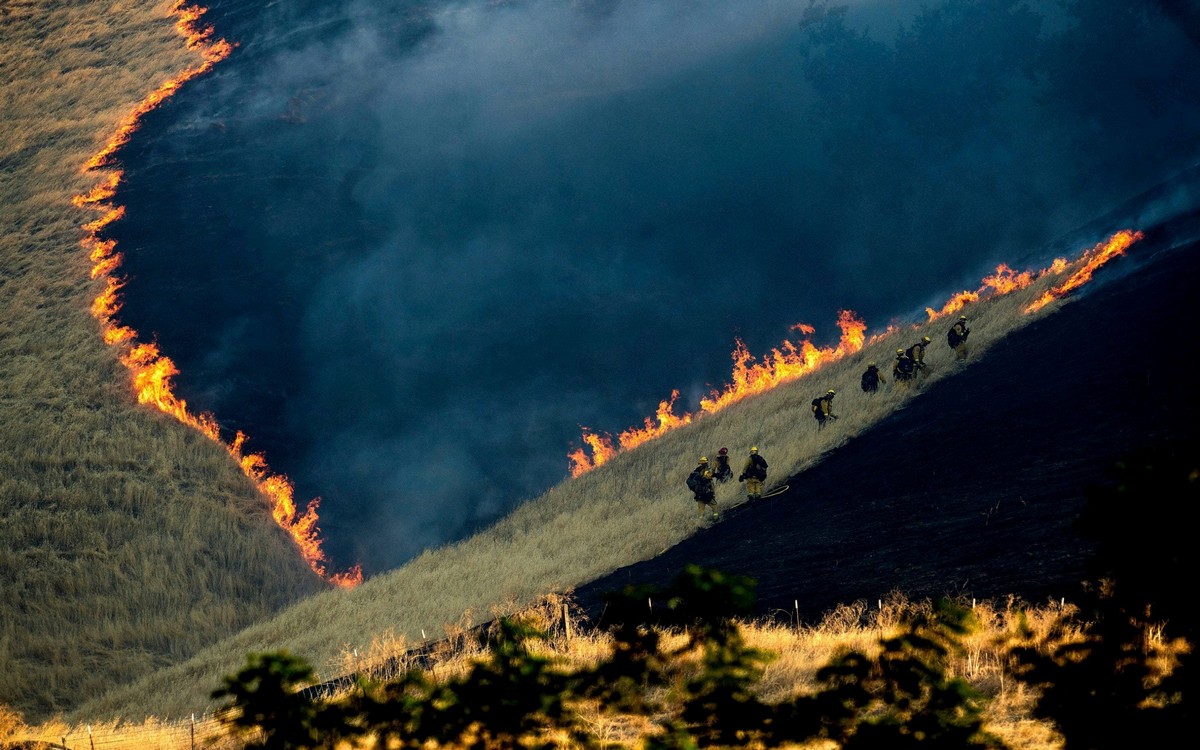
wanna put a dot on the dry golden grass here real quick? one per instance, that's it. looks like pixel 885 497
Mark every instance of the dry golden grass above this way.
pixel 797 654
pixel 127 542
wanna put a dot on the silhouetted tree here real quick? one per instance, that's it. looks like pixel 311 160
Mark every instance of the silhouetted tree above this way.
pixel 1109 688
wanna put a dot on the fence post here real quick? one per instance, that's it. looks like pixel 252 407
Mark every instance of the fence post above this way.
pixel 193 731
pixel 91 742
pixel 566 622
pixel 796 604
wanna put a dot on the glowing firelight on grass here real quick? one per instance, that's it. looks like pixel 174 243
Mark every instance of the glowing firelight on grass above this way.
pixel 151 370
pixel 790 361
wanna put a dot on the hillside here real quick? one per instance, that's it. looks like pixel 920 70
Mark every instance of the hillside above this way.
pixel 626 511
pixel 94 485
pixel 127 541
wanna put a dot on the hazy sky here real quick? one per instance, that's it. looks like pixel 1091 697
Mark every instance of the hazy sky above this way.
pixel 411 247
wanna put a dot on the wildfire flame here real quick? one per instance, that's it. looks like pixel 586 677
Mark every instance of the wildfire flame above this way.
pixel 786 362
pixel 150 369
pixel 790 361
pixel 1102 253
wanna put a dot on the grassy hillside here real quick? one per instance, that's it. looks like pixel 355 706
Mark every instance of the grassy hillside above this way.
pixel 628 509
pixel 127 541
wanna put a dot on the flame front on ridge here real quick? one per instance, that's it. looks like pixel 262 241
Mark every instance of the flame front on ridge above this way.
pixel 790 361
pixel 150 369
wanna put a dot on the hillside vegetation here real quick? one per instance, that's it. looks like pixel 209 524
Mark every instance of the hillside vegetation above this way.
pixel 627 510
pixel 127 541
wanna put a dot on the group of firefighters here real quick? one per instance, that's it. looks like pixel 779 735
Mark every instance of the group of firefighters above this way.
pixel 909 364
pixel 702 481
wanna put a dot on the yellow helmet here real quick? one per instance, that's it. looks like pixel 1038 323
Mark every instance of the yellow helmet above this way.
pixel 754 449
pixel 830 392
pixel 962 317
pixel 899 351
pixel 870 364
pixel 925 339
pixel 704 459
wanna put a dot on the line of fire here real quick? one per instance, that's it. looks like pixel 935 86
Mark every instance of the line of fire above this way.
pixel 152 371
pixel 790 361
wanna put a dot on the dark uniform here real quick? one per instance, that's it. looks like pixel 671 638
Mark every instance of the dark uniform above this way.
pixel 956 337
pixel 723 472
pixel 902 369
pixel 700 482
pixel 872 378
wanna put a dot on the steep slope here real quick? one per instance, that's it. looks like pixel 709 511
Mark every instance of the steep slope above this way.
pixel 625 511
pixel 127 541
pixel 973 487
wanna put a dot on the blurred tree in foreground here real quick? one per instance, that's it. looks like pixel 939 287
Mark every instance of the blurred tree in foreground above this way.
pixel 1126 680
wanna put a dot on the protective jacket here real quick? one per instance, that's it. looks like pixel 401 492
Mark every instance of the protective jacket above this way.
pixel 755 468
pixel 916 353
pixel 724 471
pixel 957 334
pixel 871 379
pixel 701 483
pixel 822 407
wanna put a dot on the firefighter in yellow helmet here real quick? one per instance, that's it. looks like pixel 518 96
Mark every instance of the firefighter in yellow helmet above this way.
pixel 700 482
pixel 956 337
pixel 754 473
pixel 916 353
pixel 822 408
pixel 903 368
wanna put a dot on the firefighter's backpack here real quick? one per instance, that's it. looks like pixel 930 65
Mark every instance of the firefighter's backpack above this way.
pixel 952 337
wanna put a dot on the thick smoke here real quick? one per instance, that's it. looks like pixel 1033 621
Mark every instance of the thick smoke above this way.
pixel 411 247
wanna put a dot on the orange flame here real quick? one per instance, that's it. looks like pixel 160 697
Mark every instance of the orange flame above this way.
pixel 151 370
pixel 789 361
pixel 1091 260
pixel 1004 281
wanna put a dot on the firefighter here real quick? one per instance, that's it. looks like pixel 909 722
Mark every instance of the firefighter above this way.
pixel 871 378
pixel 700 482
pixel 902 370
pixel 916 353
pixel 723 472
pixel 754 473
pixel 822 408
pixel 956 337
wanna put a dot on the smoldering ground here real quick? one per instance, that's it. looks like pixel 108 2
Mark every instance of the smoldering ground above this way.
pixel 411 247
